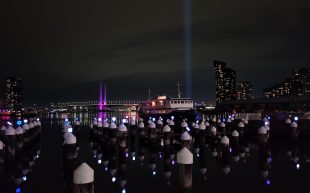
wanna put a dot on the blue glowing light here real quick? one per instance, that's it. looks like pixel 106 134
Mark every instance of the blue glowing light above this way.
pixel 126 155
pixel 268 182
pixel 19 122
pixel 18 190
pixel 66 120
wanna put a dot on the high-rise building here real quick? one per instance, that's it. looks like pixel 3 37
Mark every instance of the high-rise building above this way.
pixel 244 90
pixel 298 84
pixel 13 93
pixel 225 82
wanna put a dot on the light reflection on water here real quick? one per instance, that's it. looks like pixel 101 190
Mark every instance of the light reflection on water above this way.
pixel 137 163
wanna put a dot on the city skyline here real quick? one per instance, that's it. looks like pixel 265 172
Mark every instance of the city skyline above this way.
pixel 66 49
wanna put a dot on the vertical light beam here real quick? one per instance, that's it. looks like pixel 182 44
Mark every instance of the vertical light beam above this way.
pixel 100 100
pixel 187 47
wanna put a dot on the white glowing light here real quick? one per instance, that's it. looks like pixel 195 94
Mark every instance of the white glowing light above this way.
pixel 9 123
pixel 24 178
pixel 153 119
pixel 187 129
pixel 297 166
pixel 66 120
pixel 133 158
pixel 172 117
pixel 124 190
pixel 99 161
pixel 266 123
pixel 296 118
pixel 173 162
pixel 99 119
pixel 113 179
pixel 38 119
pixel 113 119
pixel 154 173
pixel 25 121
pixel 126 155
pixel 70 129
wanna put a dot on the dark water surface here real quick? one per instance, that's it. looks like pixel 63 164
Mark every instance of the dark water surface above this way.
pixel 248 174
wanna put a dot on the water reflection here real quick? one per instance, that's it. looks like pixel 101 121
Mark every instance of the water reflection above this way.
pixel 153 147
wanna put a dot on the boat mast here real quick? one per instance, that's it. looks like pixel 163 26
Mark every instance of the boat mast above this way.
pixel 149 91
pixel 179 90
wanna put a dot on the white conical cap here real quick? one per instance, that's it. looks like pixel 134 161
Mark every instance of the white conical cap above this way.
pixel 184 156
pixel 95 122
pixel 246 121
pixel 10 131
pixel 288 121
pixel 39 123
pixel 122 128
pixel 166 128
pixel 26 127
pixel 133 122
pixel 294 124
pixel 99 124
pixel 31 125
pixel 3 128
pixel 265 119
pixel 213 129
pixel 152 125
pixel 70 139
pixel 207 124
pixel 83 174
pixel 228 120
pixel 267 127
pixel 225 140
pixel 141 125
pixel 262 130
pixel 214 119
pixel 149 121
pixel 235 133
pixel 240 125
pixel 66 134
pixel 219 121
pixel 113 125
pixel 19 131
pixel 185 136
pixel 196 126
pixel 184 124
pixel 35 123
pixel 222 124
pixel 171 123
pixel 105 124
pixel 202 126
pixel 159 122
pixel 1 145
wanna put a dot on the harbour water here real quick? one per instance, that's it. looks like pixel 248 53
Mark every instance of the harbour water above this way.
pixel 136 164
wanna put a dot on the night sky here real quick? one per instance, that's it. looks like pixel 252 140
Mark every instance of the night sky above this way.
pixel 62 49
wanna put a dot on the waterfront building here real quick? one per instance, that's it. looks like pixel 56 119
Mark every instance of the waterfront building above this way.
pixel 298 84
pixel 225 82
pixel 244 90
pixel 13 93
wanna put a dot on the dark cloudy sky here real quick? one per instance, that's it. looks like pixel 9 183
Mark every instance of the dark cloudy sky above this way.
pixel 61 48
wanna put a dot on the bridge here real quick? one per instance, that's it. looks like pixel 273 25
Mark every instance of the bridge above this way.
pixel 94 105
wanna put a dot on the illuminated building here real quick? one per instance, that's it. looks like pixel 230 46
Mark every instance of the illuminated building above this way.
pixel 225 82
pixel 298 84
pixel 244 90
pixel 13 93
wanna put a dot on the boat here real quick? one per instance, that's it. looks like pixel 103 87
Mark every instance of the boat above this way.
pixel 168 108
